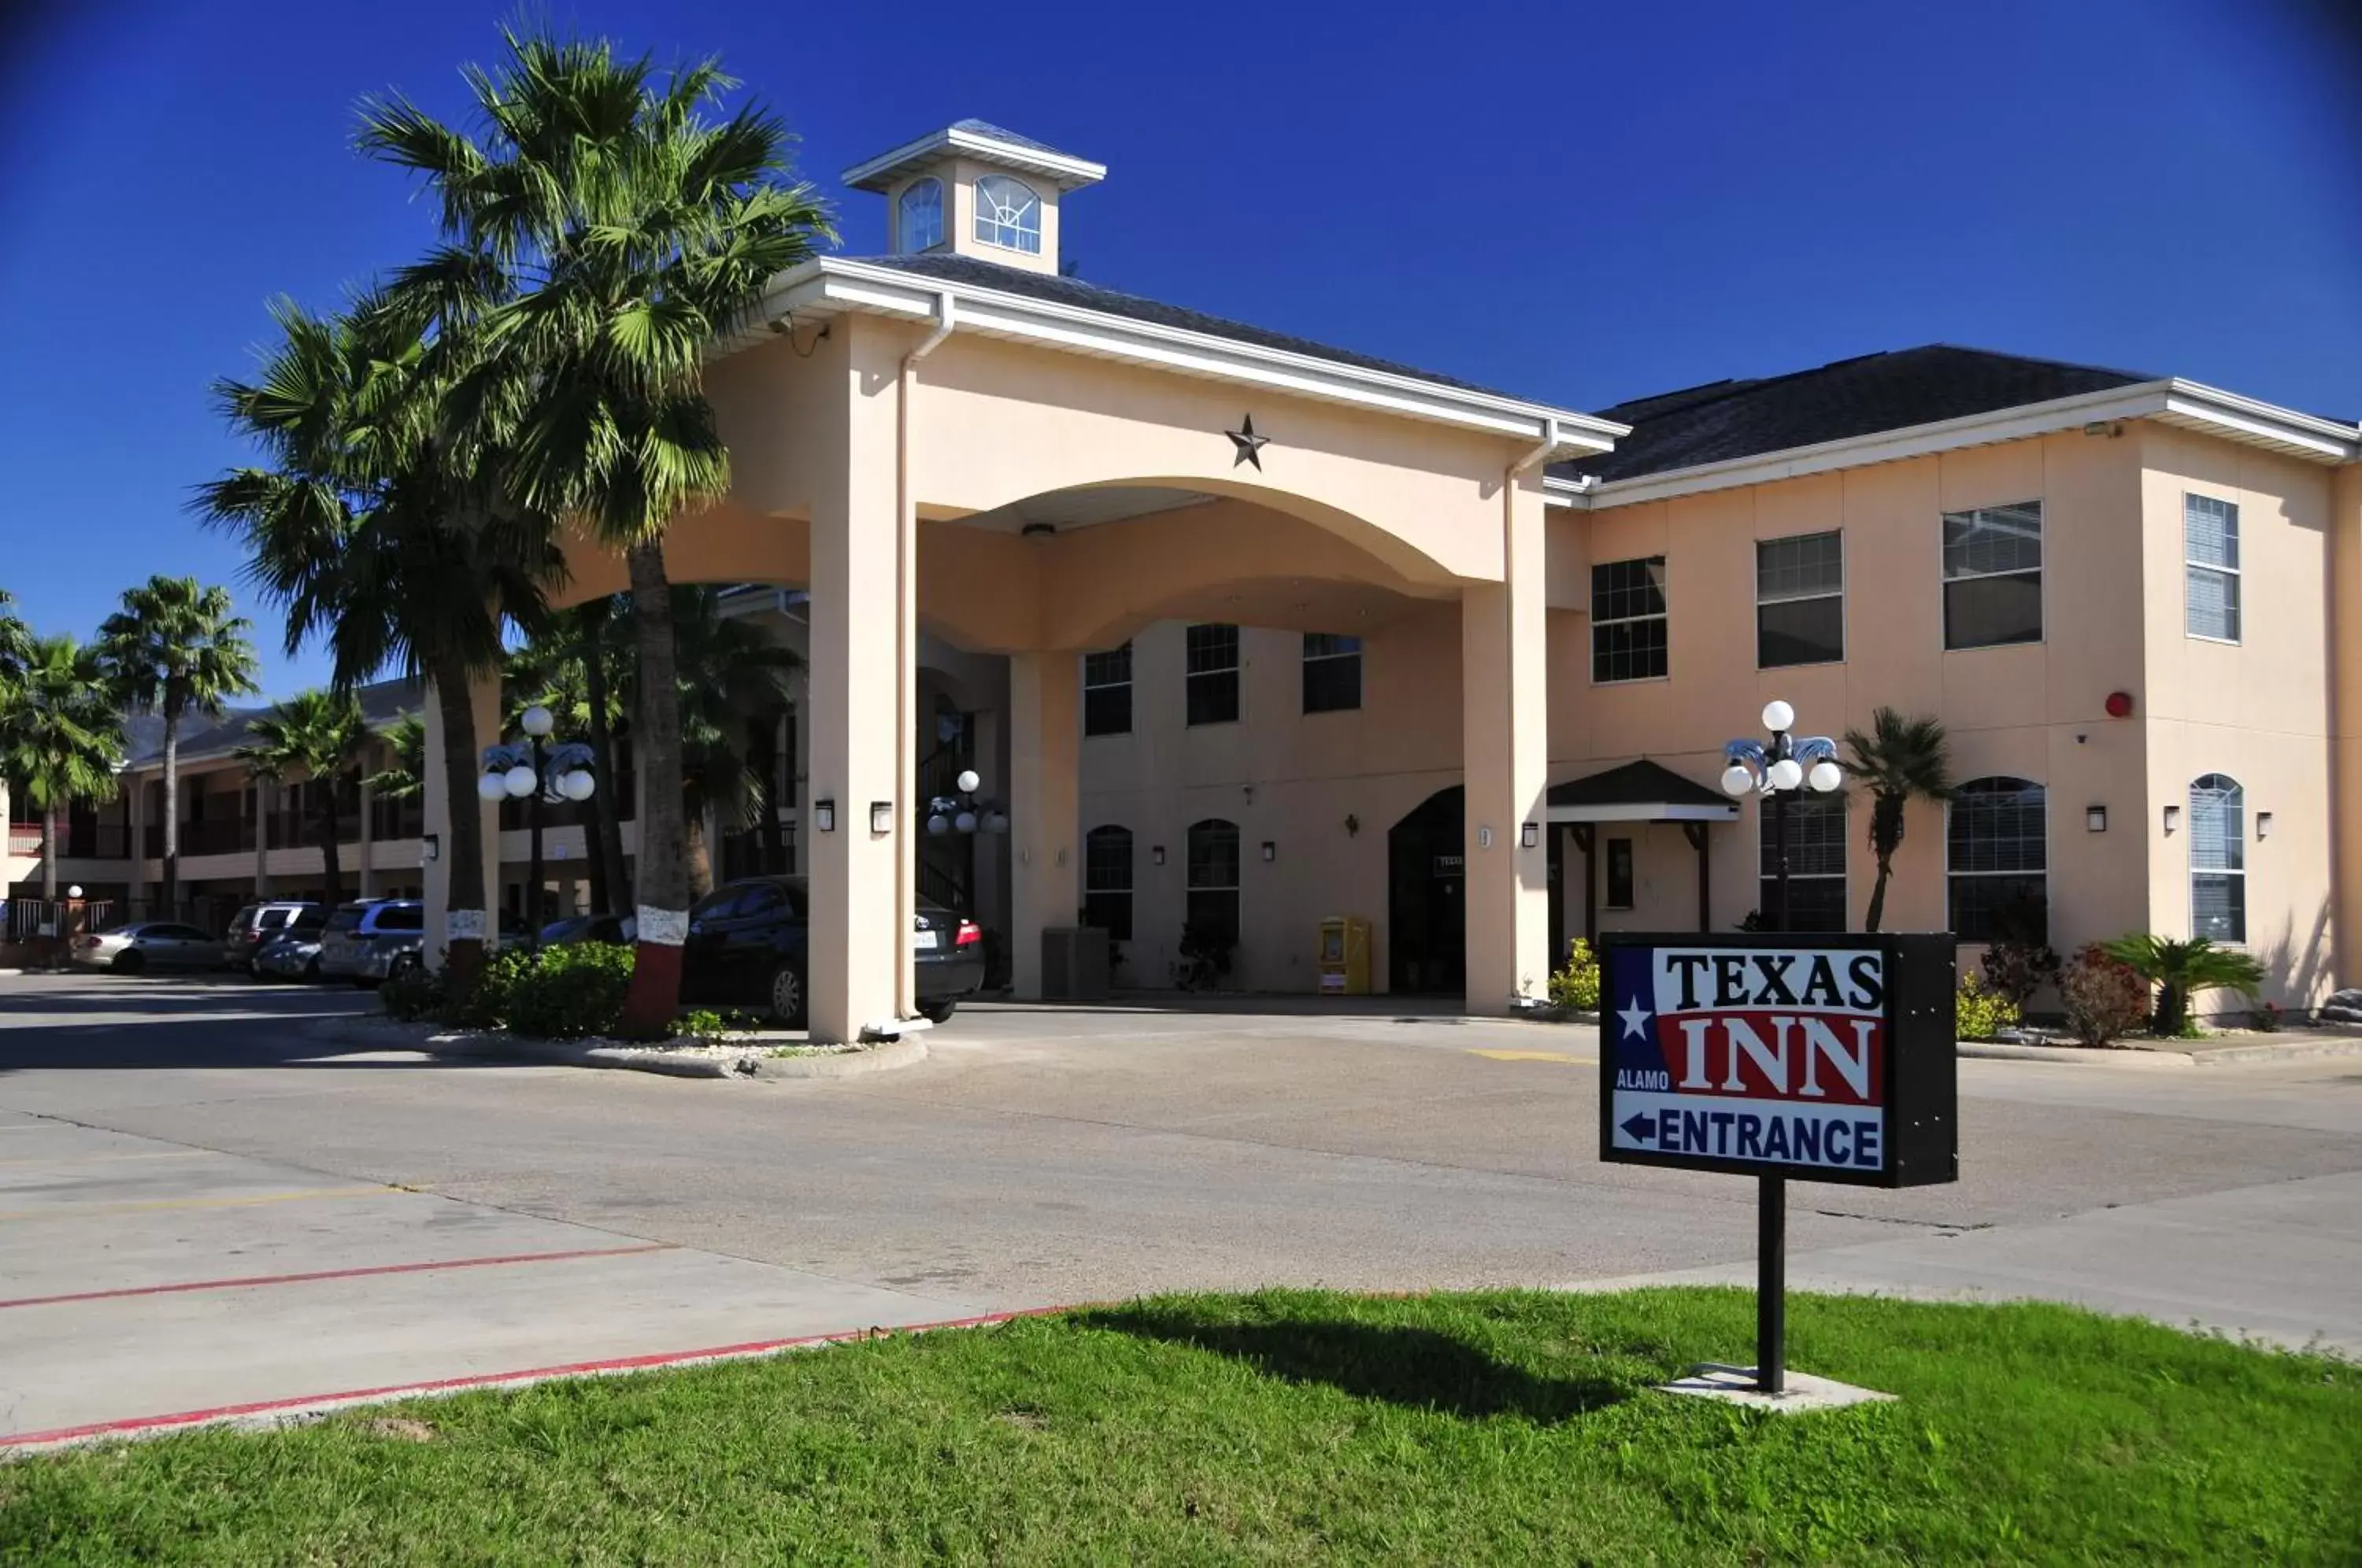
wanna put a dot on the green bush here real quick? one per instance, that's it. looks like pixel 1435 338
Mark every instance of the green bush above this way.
pixel 485 1005
pixel 1577 987
pixel 414 992
pixel 570 990
pixel 2105 997
pixel 1980 1013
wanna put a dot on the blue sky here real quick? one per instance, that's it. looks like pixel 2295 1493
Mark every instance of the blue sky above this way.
pixel 1576 202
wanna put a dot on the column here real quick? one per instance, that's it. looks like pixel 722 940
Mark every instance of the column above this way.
pixel 1044 806
pixel 364 877
pixel 2345 698
pixel 263 790
pixel 854 763
pixel 484 701
pixel 1505 716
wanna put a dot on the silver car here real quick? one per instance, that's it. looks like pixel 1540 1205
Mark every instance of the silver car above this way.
pixel 147 944
pixel 294 954
pixel 367 941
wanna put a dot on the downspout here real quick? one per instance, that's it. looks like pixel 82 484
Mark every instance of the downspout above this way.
pixel 906 679
pixel 1549 442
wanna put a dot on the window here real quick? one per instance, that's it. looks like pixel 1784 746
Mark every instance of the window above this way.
pixel 2218 858
pixel 2209 546
pixel 1332 672
pixel 1007 213
pixel 921 216
pixel 1213 674
pixel 1107 692
pixel 1107 881
pixel 1800 601
pixel 1992 575
pixel 1628 620
pixel 1997 849
pixel 1214 879
pixel 1816 863
pixel 1620 873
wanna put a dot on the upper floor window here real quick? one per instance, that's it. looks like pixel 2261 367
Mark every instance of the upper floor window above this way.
pixel 1213 674
pixel 1107 692
pixel 920 220
pixel 1332 672
pixel 1816 863
pixel 2218 858
pixel 2209 546
pixel 1800 601
pixel 1997 851
pixel 1007 213
pixel 1107 881
pixel 1992 575
pixel 1628 620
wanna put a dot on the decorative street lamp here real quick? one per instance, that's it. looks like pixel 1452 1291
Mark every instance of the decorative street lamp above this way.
pixel 537 770
pixel 1775 771
pixel 965 810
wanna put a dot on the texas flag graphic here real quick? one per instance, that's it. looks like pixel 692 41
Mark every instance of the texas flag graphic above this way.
pixel 1757 1056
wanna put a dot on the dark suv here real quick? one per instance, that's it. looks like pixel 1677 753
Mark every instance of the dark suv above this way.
pixel 748 943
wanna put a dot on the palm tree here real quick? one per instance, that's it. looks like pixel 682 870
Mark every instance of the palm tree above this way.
pixel 60 735
pixel 318 735
pixel 405 776
pixel 16 642
pixel 388 542
pixel 2181 970
pixel 631 230
pixel 1901 759
pixel 176 648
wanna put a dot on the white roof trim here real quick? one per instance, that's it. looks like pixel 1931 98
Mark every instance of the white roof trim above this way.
pixel 1067 171
pixel 830 285
pixel 1641 812
pixel 2189 404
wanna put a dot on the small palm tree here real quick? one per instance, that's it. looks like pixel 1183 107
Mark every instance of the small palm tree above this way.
pixel 1902 758
pixel 15 642
pixel 318 735
pixel 61 735
pixel 2181 969
pixel 176 648
pixel 405 776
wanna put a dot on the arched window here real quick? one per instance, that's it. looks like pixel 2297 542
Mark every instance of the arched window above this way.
pixel 1996 852
pixel 1007 213
pixel 2218 858
pixel 1107 881
pixel 1214 877
pixel 920 218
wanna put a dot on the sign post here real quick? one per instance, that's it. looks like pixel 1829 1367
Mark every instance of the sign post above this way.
pixel 1823 1058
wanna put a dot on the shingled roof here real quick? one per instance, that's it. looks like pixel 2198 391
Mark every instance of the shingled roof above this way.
pixel 382 703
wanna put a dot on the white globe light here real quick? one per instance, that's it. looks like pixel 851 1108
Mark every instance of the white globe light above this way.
pixel 521 780
pixel 996 822
pixel 537 721
pixel 1736 780
pixel 578 785
pixel 492 787
pixel 939 823
pixel 968 780
pixel 965 822
pixel 1778 716
pixel 1787 773
pixel 1825 775
pixel 74 891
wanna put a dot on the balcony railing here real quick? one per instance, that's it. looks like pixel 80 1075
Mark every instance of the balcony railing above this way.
pixel 76 841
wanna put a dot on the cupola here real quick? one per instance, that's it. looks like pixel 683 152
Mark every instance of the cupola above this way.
pixel 972 188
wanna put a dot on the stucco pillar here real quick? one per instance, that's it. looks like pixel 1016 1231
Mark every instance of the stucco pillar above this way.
pixel 365 880
pixel 484 701
pixel 2345 721
pixel 264 791
pixel 854 945
pixel 1504 667
pixel 990 893
pixel 1044 807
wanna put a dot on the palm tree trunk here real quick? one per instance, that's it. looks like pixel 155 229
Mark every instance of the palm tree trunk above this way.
pixel 331 865
pixel 697 854
pixel 172 910
pixel 774 838
pixel 662 896
pixel 49 854
pixel 1878 894
pixel 606 805
pixel 464 890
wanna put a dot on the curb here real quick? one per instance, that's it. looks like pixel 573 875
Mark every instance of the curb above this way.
pixel 2220 1056
pixel 499 1045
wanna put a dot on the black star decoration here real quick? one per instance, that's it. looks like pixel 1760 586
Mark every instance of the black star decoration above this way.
pixel 1249 445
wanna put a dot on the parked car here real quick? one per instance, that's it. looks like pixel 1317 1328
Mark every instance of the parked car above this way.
pixel 584 928
pixel 258 923
pixel 147 944
pixel 748 943
pixel 294 952
pixel 370 942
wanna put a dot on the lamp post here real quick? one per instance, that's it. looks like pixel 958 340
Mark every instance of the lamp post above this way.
pixel 1773 771
pixel 537 770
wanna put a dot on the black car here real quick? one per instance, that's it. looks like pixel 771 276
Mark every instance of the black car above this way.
pixel 748 942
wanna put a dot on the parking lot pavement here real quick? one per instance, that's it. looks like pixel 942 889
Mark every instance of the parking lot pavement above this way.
pixel 144 1283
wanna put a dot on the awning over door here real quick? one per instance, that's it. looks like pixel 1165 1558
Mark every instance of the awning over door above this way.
pixel 1639 792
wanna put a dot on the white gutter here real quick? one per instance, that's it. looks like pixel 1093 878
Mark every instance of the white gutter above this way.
pixel 906 666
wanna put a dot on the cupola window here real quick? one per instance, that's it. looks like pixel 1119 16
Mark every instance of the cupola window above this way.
pixel 1007 213
pixel 921 220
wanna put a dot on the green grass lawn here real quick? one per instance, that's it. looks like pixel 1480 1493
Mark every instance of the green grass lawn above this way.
pixel 1293 1427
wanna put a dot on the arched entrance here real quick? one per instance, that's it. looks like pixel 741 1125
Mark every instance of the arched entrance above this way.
pixel 1426 904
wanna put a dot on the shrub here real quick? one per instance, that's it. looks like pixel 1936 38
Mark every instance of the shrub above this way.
pixel 2181 971
pixel 485 1005
pixel 2016 968
pixel 413 993
pixel 2106 997
pixel 1577 987
pixel 1980 1013
pixel 2270 1018
pixel 570 990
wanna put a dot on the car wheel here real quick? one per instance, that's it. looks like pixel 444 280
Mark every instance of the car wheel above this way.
pixel 939 1012
pixel 130 961
pixel 786 996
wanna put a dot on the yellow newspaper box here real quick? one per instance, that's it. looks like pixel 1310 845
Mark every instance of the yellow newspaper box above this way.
pixel 1344 961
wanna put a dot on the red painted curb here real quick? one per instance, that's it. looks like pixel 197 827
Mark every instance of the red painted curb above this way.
pixel 260 1279
pixel 137 1426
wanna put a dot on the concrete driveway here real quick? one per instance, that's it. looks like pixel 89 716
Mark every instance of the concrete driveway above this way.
pixel 238 1214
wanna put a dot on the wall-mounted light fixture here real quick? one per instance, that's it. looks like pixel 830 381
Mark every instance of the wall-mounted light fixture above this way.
pixel 1352 824
pixel 824 815
pixel 2172 819
pixel 2263 824
pixel 430 848
pixel 1157 855
pixel 1530 834
pixel 2095 818
pixel 1270 850
pixel 1484 838
pixel 881 816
